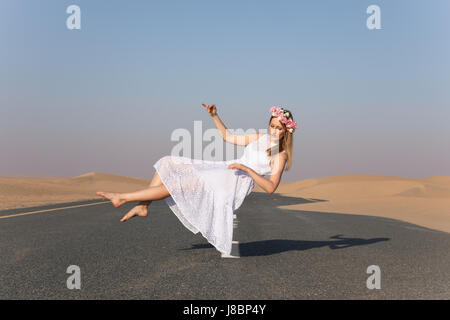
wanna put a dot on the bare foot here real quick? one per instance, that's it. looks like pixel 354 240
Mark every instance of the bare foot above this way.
pixel 140 210
pixel 115 198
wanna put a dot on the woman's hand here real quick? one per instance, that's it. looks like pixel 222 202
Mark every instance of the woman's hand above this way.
pixel 211 108
pixel 238 166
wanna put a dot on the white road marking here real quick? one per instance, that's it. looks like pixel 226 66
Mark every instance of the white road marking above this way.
pixel 235 223
pixel 46 210
pixel 224 255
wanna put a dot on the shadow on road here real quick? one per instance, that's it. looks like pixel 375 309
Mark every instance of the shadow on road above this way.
pixel 274 246
pixel 263 202
pixel 274 200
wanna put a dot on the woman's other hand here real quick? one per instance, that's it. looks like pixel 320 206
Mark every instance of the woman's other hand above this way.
pixel 211 108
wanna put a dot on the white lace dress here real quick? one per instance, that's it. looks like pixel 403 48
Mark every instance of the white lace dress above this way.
pixel 204 194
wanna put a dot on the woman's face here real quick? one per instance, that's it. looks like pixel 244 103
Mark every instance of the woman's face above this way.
pixel 276 129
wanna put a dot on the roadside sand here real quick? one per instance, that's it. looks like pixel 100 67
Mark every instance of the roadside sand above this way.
pixel 422 201
pixel 18 192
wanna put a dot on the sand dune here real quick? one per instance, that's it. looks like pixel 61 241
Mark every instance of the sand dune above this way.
pixel 422 201
pixel 17 192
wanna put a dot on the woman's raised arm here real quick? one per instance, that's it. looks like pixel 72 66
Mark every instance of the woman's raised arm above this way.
pixel 238 139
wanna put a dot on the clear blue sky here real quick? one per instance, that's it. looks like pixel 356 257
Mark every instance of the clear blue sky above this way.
pixel 106 98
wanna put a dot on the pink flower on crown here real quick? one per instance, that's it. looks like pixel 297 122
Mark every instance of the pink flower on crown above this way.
pixel 275 111
pixel 284 117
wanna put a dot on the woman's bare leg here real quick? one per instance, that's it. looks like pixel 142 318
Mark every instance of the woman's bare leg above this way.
pixel 141 209
pixel 156 181
pixel 156 191
pixel 152 193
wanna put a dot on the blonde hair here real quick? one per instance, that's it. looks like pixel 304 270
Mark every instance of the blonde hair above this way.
pixel 285 143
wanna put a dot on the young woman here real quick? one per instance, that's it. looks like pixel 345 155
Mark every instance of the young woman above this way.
pixel 204 194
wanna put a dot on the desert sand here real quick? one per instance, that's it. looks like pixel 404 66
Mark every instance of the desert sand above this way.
pixel 18 192
pixel 421 201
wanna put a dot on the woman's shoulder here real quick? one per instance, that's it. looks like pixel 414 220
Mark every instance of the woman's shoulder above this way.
pixel 279 160
pixel 284 154
pixel 281 155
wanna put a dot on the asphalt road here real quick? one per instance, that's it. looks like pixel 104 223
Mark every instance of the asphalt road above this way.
pixel 282 254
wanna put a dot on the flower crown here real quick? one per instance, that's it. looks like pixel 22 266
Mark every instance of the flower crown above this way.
pixel 284 117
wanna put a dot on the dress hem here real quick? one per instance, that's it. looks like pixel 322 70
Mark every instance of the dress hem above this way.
pixel 189 225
